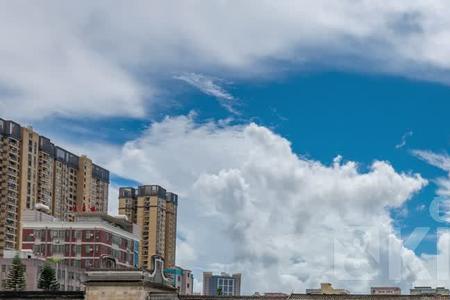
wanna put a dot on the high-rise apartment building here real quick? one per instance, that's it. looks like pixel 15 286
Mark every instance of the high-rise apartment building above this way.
pixel 35 172
pixel 128 203
pixel 10 145
pixel 221 285
pixel 154 210
pixel 170 229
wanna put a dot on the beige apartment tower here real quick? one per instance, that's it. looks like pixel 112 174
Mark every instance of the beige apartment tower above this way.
pixel 154 210
pixel 36 173
pixel 10 146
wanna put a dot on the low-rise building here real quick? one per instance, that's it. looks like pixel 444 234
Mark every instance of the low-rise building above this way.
pixel 130 285
pixel 69 278
pixel 384 290
pixel 182 280
pixel 327 289
pixel 93 240
pixel 428 290
pixel 221 285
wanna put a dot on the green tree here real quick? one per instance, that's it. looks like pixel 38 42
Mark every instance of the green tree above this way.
pixel 47 279
pixel 219 291
pixel 16 275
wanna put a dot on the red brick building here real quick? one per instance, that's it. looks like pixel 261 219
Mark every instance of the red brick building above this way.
pixel 94 240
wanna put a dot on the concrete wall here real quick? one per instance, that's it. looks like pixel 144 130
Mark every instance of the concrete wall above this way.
pixel 116 292
pixel 42 295
pixel 367 297
pixel 318 297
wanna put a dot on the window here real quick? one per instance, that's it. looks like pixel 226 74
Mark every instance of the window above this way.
pixel 116 240
pixel 29 237
pixel 88 249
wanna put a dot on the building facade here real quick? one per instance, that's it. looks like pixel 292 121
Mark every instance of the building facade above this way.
pixel 382 290
pixel 181 279
pixel 34 171
pixel 327 289
pixel 10 145
pixel 154 210
pixel 221 285
pixel 94 240
pixel 69 278
pixel 130 285
pixel 427 290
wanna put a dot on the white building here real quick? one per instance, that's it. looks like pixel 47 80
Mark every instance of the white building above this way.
pixel 384 290
pixel 69 278
pixel 427 290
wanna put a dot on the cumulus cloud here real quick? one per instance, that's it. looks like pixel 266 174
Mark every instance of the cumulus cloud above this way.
pixel 249 204
pixel 439 264
pixel 89 58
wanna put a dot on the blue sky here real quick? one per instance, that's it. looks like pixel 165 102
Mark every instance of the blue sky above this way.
pixel 325 113
pixel 262 118
pixel 363 117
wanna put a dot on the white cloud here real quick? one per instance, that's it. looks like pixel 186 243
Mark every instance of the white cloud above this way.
pixel 403 140
pixel 209 86
pixel 206 84
pixel 438 264
pixel 113 199
pixel 440 207
pixel 249 204
pixel 47 68
pixel 87 58
pixel 441 161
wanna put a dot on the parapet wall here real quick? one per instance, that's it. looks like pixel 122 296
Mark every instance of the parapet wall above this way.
pixel 318 297
pixel 367 297
pixel 42 295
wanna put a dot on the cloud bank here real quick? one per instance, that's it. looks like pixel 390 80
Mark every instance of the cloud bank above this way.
pixel 100 60
pixel 249 204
